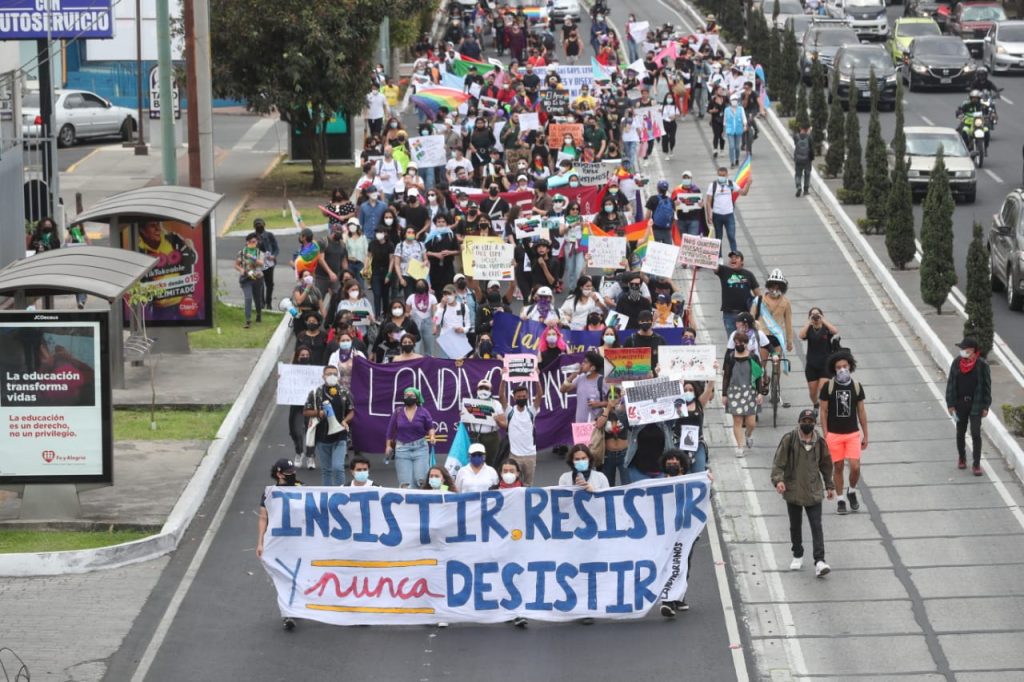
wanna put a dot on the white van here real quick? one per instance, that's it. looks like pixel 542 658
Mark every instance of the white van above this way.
pixel 866 17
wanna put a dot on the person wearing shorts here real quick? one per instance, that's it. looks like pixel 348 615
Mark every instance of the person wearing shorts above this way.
pixel 844 422
pixel 818 333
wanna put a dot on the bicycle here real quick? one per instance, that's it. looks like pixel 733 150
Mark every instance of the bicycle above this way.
pixel 775 387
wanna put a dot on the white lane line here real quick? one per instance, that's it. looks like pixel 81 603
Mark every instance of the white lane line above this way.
pixel 1006 99
pixel 927 120
pixel 926 375
pixel 255 134
pixel 162 628
pixel 993 176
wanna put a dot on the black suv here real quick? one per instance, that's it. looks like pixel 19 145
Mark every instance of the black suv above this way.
pixel 1006 248
pixel 857 62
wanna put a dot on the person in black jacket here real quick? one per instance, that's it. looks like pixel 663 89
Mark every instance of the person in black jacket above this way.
pixel 270 249
pixel 968 398
pixel 631 301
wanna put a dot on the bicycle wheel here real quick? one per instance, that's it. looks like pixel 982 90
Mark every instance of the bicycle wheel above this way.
pixel 775 397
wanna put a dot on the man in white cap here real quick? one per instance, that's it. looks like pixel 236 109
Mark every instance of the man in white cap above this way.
pixel 479 476
pixel 543 303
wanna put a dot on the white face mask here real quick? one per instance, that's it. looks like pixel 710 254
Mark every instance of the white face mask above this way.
pixel 397 312
pixel 354 294
pixel 483 394
pixel 381 236
pixel 609 340
pixel 361 476
pixel 552 339
pixel 509 478
pixel 965 353
pixel 331 380
pixel 389 221
pixel 307 280
pixel 435 482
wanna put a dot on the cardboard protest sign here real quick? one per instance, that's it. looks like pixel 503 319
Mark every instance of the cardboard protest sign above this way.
pixel 428 151
pixel 581 432
pixel 660 259
pixel 627 364
pixel 652 400
pixel 477 412
pixel 558 131
pixel 417 269
pixel 488 258
pixel 690 363
pixel 519 367
pixel 592 173
pixel 556 102
pixel 606 252
pixel 294 382
pixel 699 252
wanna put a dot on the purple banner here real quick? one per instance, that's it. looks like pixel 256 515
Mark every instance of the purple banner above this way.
pixel 377 390
pixel 513 335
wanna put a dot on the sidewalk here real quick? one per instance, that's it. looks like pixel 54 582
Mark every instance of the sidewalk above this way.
pixel 923 580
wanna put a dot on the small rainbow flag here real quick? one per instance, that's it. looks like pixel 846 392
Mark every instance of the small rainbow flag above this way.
pixel 535 13
pixel 637 231
pixel 742 178
pixel 461 65
pixel 308 256
pixel 640 252
pixel 429 100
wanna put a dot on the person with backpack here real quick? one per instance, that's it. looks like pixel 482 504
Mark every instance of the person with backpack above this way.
pixel 803 158
pixel 843 419
pixel 520 421
pixel 720 208
pixel 802 474
pixel 661 213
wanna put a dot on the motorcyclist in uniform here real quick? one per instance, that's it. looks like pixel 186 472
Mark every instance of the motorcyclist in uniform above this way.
pixel 971 105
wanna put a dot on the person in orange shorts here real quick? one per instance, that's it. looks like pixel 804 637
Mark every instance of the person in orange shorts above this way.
pixel 844 421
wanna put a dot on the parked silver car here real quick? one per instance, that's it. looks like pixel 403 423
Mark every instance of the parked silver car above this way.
pixel 78 114
pixel 1003 48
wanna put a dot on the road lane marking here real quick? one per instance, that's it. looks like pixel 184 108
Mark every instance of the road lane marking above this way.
pixel 255 133
pixel 74 166
pixel 1006 99
pixel 993 176
pixel 927 120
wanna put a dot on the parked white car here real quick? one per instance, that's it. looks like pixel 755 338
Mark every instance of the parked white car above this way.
pixel 78 115
pixel 559 10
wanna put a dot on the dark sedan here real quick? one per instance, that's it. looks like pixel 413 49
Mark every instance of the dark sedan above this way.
pixel 938 61
pixel 852 67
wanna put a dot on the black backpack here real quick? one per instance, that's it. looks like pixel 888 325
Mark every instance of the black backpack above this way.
pixel 802 149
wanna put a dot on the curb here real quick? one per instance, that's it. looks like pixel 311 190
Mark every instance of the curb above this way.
pixel 994 428
pixel 166 541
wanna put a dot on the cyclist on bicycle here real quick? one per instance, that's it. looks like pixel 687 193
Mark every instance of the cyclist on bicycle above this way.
pixel 774 314
pixel 757 341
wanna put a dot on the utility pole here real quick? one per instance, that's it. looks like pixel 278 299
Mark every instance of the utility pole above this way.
pixel 194 172
pixel 168 152
pixel 384 45
pixel 202 74
pixel 140 144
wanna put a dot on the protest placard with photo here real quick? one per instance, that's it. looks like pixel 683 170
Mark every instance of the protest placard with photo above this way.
pixel 489 104
pixel 691 363
pixel 477 412
pixel 606 252
pixel 519 367
pixel 649 124
pixel 689 437
pixel 699 252
pixel 360 317
pixel 528 228
pixel 428 151
pixel 616 320
pixel 558 131
pixel 660 259
pixel 653 400
pixel 627 364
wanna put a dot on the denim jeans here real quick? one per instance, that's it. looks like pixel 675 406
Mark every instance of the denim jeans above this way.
pixel 573 269
pixel 726 222
pixel 796 522
pixel 663 236
pixel 615 461
pixel 629 154
pixel 331 459
pixel 380 295
pixel 356 268
pixel 803 170
pixel 252 290
pixel 636 475
pixel 412 461
pixel 700 459
pixel 735 142
pixel 729 320
pixel 427 174
pixel 690 226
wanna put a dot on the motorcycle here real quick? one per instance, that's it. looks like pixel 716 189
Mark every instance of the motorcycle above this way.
pixel 988 100
pixel 975 130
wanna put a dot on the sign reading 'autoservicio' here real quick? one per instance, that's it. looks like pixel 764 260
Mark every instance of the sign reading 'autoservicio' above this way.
pixel 32 19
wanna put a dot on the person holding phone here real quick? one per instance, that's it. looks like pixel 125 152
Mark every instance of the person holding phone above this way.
pixel 582 473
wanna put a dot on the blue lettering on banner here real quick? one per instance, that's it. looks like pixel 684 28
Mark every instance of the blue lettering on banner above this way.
pixel 58 19
pixel 285 528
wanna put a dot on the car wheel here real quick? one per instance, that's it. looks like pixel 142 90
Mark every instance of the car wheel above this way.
pixel 997 284
pixel 66 137
pixel 1014 299
pixel 127 128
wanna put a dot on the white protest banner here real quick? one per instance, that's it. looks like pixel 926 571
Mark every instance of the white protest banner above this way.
pixel 660 259
pixel 710 38
pixel 699 252
pixel 606 252
pixel 477 412
pixel 528 228
pixel 428 151
pixel 572 76
pixel 519 367
pixel 592 173
pixel 651 400
pixel 529 121
pixel 638 30
pixel 474 89
pixel 454 344
pixel 690 363
pixel 294 382
pixel 494 261
pixel 379 556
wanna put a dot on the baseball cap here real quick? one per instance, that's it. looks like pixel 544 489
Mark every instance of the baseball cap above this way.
pixel 806 414
pixel 544 291
pixel 413 192
pixel 687 174
pixel 482 383
pixel 458 277
pixel 283 466
pixel 738 254
pixel 493 283
pixel 968 342
pixel 477 448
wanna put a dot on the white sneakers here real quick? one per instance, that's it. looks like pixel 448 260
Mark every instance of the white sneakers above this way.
pixel 821 569
pixel 310 463
pixel 796 564
pixel 739 452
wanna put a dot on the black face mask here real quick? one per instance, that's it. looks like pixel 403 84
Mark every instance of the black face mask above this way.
pixel 408 349
pixel 740 347
pixel 634 287
pixel 486 347
pixel 672 469
pixel 645 325
pixel 461 284
pixel 521 402
pixel 410 401
pixel 807 428
pixel 289 479
pixel 312 324
pixel 303 361
pixel 494 299
pixel 421 290
pixel 493 192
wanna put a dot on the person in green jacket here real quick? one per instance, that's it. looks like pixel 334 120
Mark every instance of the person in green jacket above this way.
pixel 802 474
pixel 968 397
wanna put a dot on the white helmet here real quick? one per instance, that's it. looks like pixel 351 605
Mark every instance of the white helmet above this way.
pixel 776 277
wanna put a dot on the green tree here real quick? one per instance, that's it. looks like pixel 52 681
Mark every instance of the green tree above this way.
pixel 853 169
pixel 899 139
pixel 775 11
pixel 758 37
pixel 803 118
pixel 876 176
pixel 978 307
pixel 731 20
pixel 304 59
pixel 786 81
pixel 819 107
pixel 938 274
pixel 836 136
pixel 774 68
pixel 899 224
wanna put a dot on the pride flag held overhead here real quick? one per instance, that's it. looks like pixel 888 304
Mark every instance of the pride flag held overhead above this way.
pixel 429 100
pixel 742 178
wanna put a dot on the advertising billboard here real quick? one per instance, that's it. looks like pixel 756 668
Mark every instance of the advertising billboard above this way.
pixel 55 411
pixel 183 271
pixel 66 19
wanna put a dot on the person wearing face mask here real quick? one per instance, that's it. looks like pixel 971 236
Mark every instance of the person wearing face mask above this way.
pixel 297 421
pixel 802 474
pixel 511 476
pixel 494 206
pixel 819 334
pixel 372 210
pixel 610 219
pixel 520 421
pixel 552 344
pixel 583 301
pixel 393 330
pixel 249 264
pixel 689 205
pixel 407 350
pixel 353 299
pixel 738 287
pixel 968 398
pixel 645 336
pixel 442 247
pixel 410 434
pixel 844 421
pixel 283 474
pixel 613 421
pixel 381 254
pixel 312 336
pixel 664 313
pixel 44 237
pixel 595 323
pixel 488 437
pixel 741 394
pixel 359 469
pixel 491 304
pixel 356 246
pixel 716 111
pixel 332 407
pixel 376 109
pixel 696 396
pixel 541 307
pixel 582 473
pixel 439 481
pixel 588 385
pixel 479 476
pixel 452 319
pixel 720 208
pixel 631 302
pixel 773 314
pixel 422 306
pixel 407 251
pixel 630 136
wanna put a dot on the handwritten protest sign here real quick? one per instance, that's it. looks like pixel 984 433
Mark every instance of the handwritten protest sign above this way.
pixel 477 412
pixel 691 363
pixel 627 364
pixel 699 252
pixel 493 260
pixel 660 259
pixel 650 401
pixel 556 102
pixel 592 173
pixel 417 269
pixel 529 121
pixel 581 432
pixel 638 30
pixel 428 151
pixel 606 252
pixel 558 131
pixel 519 367
pixel 294 382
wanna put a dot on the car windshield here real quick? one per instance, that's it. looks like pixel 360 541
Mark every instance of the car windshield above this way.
pixel 865 61
pixel 984 13
pixel 30 101
pixel 834 38
pixel 942 48
pixel 919 28
pixel 928 145
pixel 1012 34
pixel 790 7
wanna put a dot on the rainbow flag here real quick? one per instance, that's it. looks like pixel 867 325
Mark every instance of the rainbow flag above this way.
pixel 535 13
pixel 627 364
pixel 637 231
pixel 640 252
pixel 307 258
pixel 429 100
pixel 742 178
pixel 461 64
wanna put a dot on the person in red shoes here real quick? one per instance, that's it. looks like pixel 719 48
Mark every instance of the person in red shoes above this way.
pixel 968 397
